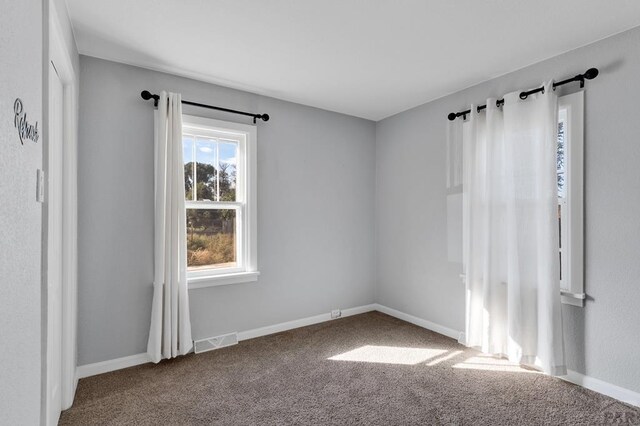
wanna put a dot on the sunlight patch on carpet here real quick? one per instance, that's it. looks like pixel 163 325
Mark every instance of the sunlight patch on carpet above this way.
pixel 389 355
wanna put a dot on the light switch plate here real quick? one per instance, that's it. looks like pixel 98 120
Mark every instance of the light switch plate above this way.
pixel 40 186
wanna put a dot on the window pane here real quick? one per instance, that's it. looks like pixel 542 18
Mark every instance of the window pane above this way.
pixel 228 154
pixel 211 238
pixel 561 150
pixel 206 172
pixel 560 225
pixel 560 158
pixel 187 158
pixel 561 185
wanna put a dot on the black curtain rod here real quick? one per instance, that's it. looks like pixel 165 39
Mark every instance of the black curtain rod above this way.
pixel 146 95
pixel 590 74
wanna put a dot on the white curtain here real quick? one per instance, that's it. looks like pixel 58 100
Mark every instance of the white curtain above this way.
pixel 454 153
pixel 170 332
pixel 510 228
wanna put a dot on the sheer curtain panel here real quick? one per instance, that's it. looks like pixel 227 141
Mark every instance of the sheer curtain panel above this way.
pixel 510 229
pixel 170 331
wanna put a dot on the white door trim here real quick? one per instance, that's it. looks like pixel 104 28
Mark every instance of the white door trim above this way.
pixel 61 57
pixel 53 208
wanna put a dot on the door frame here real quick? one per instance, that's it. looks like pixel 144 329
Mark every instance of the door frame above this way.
pixel 60 56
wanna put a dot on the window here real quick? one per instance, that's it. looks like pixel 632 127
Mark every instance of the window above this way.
pixel 569 169
pixel 220 191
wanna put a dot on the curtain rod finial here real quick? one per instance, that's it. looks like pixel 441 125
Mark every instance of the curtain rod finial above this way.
pixel 146 95
pixel 452 116
pixel 591 73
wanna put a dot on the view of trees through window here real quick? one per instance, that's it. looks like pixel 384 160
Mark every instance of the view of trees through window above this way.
pixel 209 179
pixel 560 160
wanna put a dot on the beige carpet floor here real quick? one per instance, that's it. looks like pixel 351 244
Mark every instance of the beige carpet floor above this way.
pixel 368 369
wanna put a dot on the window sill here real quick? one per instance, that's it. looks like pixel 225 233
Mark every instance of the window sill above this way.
pixel 575 299
pixel 226 279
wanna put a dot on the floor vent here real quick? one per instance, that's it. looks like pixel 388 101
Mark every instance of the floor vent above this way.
pixel 217 342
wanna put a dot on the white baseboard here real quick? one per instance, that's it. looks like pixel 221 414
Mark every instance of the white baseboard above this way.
pixel 596 385
pixel 591 383
pixel 449 332
pixel 129 361
pixel 290 325
pixel 605 388
pixel 111 365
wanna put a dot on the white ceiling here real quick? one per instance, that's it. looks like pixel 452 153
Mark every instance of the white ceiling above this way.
pixel 367 58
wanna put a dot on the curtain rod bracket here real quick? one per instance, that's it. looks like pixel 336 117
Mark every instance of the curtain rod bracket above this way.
pixel 146 95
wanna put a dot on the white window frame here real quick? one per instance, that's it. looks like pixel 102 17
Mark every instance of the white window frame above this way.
pixel 572 217
pixel 245 204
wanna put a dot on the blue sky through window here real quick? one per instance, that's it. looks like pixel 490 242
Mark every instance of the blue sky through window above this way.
pixel 215 176
pixel 206 151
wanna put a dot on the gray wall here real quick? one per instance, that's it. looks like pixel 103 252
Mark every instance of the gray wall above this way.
pixel 315 212
pixel 413 274
pixel 21 56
